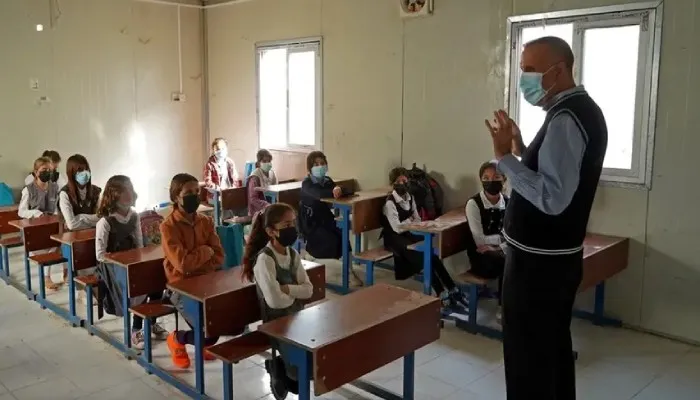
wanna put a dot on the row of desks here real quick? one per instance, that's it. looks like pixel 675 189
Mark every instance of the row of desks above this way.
pixel 323 339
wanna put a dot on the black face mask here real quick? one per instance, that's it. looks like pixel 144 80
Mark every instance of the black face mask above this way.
pixel 54 176
pixel 400 188
pixel 45 176
pixel 492 187
pixel 190 203
pixel 288 236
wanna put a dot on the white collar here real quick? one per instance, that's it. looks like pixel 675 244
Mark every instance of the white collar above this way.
pixel 487 203
pixel 401 199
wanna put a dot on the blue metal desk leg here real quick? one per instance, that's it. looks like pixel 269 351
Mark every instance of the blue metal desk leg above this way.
pixel 228 381
pixel 28 276
pixel 345 229
pixel 6 264
pixel 120 274
pixel 217 209
pixel 195 310
pixel 301 359
pixel 408 375
pixel 67 252
pixel 272 196
pixel 427 262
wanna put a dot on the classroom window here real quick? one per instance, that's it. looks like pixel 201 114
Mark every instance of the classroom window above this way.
pixel 289 95
pixel 616 52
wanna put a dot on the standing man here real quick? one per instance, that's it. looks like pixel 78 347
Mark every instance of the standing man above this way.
pixel 553 189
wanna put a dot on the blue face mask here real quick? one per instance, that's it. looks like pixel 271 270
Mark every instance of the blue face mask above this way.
pixel 319 171
pixel 531 86
pixel 82 177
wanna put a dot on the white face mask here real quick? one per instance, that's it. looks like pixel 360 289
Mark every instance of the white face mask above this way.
pixel 221 153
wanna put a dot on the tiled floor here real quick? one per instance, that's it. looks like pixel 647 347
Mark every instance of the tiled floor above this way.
pixel 41 357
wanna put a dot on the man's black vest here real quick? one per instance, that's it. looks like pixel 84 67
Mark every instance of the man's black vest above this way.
pixel 528 228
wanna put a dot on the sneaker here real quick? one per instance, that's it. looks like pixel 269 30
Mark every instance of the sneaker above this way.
pixel 459 298
pixel 158 332
pixel 137 341
pixel 178 353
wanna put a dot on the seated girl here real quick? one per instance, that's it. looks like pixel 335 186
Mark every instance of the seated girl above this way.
pixel 220 172
pixel 55 158
pixel 485 213
pixel 39 198
pixel 262 177
pixel 281 281
pixel 119 229
pixel 316 218
pixel 78 200
pixel 400 209
pixel 191 247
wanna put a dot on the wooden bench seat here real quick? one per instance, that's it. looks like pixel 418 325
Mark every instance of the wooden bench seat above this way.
pixel 11 242
pixel 153 310
pixel 87 280
pixel 375 255
pixel 241 347
pixel 47 259
pixel 470 278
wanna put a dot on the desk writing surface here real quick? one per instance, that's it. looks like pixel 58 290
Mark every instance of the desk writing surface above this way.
pixel 341 317
pixel 446 221
pixel 603 257
pixel 30 222
pixel 212 284
pixel 71 237
pixel 9 209
pixel 135 256
pixel 282 187
pixel 366 208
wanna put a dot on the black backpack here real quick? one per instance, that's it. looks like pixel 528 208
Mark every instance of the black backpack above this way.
pixel 426 192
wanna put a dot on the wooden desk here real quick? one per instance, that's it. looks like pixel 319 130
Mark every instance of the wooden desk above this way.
pixel 78 248
pixel 366 210
pixel 222 303
pixel 234 198
pixel 443 237
pixel 36 235
pixel 603 257
pixel 7 214
pixel 448 232
pixel 290 192
pixel 344 338
pixel 138 272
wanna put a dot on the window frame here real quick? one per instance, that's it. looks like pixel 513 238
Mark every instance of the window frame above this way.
pixel 646 14
pixel 293 45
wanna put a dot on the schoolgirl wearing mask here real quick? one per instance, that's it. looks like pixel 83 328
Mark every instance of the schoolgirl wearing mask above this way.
pixel 400 210
pixel 262 177
pixel 485 213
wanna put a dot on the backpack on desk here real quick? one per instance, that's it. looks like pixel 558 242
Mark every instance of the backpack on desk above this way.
pixel 150 227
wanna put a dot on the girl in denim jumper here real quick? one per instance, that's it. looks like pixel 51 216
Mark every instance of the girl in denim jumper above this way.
pixel 281 281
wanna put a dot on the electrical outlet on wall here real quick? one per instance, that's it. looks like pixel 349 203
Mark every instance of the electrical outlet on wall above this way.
pixel 33 84
pixel 178 97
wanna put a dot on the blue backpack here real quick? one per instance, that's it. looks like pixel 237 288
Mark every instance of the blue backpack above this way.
pixel 6 197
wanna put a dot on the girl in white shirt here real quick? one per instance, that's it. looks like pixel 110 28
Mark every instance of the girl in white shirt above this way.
pixel 78 199
pixel 55 158
pixel 400 210
pixel 485 214
pixel 39 198
pixel 280 279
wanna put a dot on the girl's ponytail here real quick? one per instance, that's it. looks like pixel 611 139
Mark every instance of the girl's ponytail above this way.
pixel 257 241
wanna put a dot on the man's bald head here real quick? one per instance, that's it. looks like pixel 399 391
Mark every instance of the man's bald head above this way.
pixel 558 49
pixel 552 58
